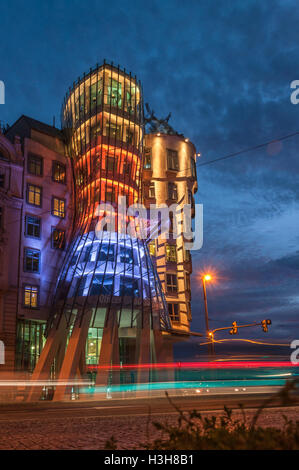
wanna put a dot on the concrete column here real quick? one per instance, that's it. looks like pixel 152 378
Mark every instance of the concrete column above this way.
pixel 75 349
pixel 143 345
pixel 57 336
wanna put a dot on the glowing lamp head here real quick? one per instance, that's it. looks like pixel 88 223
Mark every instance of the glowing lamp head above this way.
pixel 207 277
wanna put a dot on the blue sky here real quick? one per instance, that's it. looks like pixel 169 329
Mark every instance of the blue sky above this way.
pixel 223 69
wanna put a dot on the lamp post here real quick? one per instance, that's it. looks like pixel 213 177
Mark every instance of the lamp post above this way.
pixel 207 278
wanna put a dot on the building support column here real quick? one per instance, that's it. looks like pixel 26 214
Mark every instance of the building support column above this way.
pixel 143 346
pixel 75 349
pixel 57 336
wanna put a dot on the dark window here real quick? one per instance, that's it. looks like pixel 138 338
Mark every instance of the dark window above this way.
pixel 151 190
pixel 58 239
pixel 31 294
pixel 102 285
pixel 32 226
pixel 2 180
pixel 34 195
pixel 59 172
pixel 126 255
pixel 1 217
pixel 172 160
pixel 130 137
pixel 172 191
pixel 106 253
pixel 32 260
pixel 58 207
pixel 173 310
pixel 188 284
pixel 110 195
pixel 129 286
pixel 187 255
pixel 35 165
pixel 110 163
pixel 193 168
pixel 127 168
pixel 172 282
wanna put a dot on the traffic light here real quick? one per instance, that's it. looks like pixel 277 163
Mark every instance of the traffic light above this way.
pixel 234 329
pixel 265 324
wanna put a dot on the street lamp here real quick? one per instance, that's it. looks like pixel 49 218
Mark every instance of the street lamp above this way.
pixel 207 278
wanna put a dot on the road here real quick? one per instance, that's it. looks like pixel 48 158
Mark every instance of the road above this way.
pixel 88 425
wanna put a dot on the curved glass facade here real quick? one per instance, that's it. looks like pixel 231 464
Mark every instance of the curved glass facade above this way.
pixel 107 271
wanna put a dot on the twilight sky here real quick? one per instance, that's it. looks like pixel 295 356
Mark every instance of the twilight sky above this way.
pixel 223 68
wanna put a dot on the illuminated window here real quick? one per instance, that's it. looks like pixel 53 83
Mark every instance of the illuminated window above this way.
pixel 59 172
pixel 32 226
pixel 32 260
pixel 151 190
pixel 31 296
pixel 171 283
pixel 172 191
pixel 130 99
pixel 58 207
pixel 34 195
pixel 58 239
pixel 113 130
pixel 114 93
pixel 148 158
pixel 171 253
pixel 172 160
pixel 173 310
pixel 35 165
pixel 96 91
pixel 152 248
